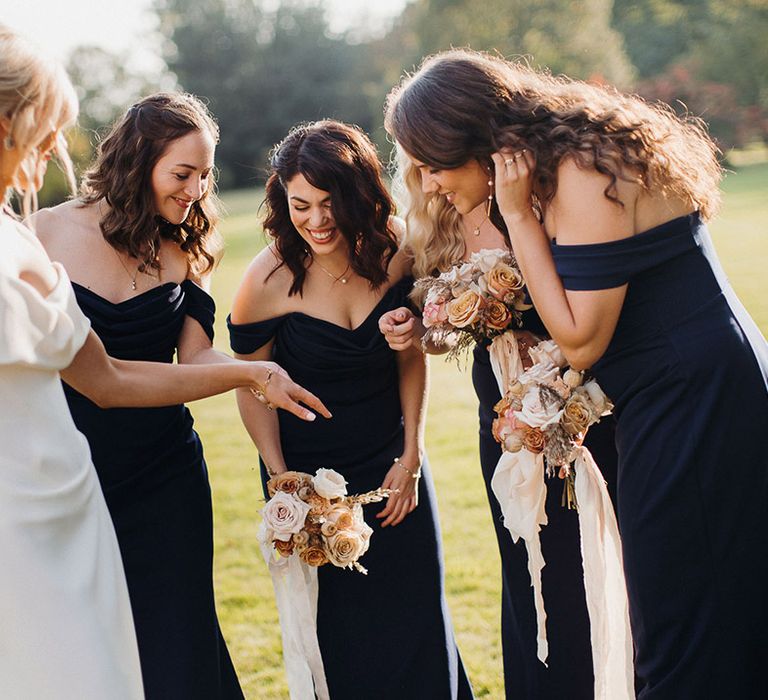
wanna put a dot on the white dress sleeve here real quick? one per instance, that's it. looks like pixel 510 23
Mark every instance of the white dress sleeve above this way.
pixel 36 330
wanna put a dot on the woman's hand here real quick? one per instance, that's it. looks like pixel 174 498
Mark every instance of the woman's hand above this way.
pixel 275 389
pixel 400 328
pixel 402 477
pixel 514 182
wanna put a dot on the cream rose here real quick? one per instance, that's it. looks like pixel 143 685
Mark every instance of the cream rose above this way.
pixel 463 312
pixel 487 258
pixel 284 514
pixel 602 405
pixel 548 352
pixel 329 483
pixel 538 412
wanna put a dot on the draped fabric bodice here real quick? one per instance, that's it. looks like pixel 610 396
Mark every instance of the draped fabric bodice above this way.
pixel 128 444
pixel 677 300
pixel 352 370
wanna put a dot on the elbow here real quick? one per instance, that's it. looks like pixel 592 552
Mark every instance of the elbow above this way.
pixel 581 357
pixel 101 398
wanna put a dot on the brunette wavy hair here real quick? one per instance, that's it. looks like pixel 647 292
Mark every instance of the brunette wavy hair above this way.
pixel 122 175
pixel 340 159
pixel 462 104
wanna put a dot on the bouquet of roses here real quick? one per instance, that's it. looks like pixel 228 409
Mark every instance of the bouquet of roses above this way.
pixel 314 518
pixel 475 300
pixel 547 410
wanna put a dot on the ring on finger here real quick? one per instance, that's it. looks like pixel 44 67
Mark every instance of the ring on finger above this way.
pixel 509 161
pixel 519 154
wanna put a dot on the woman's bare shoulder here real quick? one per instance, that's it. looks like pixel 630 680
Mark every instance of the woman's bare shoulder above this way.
pixel 264 288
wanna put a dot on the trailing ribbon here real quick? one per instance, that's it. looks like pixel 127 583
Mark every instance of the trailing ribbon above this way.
pixel 295 585
pixel 518 484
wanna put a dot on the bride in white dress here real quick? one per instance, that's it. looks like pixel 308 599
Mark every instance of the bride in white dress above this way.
pixel 66 629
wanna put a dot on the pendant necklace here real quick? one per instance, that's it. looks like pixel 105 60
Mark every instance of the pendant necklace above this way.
pixel 341 278
pixel 127 272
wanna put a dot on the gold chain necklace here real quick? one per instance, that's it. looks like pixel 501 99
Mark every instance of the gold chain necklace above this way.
pixel 127 272
pixel 341 278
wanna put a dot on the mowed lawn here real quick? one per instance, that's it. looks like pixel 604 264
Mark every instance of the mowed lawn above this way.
pixel 244 590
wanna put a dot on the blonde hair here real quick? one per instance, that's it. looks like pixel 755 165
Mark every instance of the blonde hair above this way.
pixel 433 226
pixel 37 99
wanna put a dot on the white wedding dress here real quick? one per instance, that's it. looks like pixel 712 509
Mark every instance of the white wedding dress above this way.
pixel 66 630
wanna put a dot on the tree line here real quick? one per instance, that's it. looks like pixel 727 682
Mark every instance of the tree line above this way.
pixel 263 68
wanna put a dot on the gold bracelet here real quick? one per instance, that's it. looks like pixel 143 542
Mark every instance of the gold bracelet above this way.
pixel 260 392
pixel 414 474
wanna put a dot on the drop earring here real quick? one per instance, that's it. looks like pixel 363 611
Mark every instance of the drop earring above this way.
pixel 490 200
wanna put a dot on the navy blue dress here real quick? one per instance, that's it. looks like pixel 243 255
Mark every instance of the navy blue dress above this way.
pixel 151 468
pixel 568 673
pixel 388 634
pixel 687 370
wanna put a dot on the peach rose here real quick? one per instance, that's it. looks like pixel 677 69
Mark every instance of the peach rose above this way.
pixel 346 547
pixel 502 280
pixel 463 312
pixel 284 549
pixel 341 516
pixel 287 482
pixel 314 554
pixel 533 440
pixel 577 415
pixel 497 315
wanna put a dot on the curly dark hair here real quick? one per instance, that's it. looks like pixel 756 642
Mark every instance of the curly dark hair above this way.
pixel 122 171
pixel 462 104
pixel 340 159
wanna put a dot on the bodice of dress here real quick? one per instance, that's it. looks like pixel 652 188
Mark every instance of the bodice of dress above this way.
pixel 41 453
pixel 354 372
pixel 677 298
pixel 126 441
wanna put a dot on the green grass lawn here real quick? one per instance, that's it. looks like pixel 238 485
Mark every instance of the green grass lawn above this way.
pixel 244 590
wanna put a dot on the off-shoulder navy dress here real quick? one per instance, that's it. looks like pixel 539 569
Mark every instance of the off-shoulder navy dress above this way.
pixel 568 673
pixel 388 634
pixel 687 370
pixel 151 468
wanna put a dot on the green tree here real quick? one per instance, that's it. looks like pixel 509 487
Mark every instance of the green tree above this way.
pixel 262 71
pixel 575 38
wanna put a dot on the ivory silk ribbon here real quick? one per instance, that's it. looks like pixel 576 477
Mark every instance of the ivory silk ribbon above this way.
pixel 518 483
pixel 295 585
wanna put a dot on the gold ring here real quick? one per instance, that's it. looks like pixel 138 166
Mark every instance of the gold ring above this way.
pixel 520 154
pixel 510 161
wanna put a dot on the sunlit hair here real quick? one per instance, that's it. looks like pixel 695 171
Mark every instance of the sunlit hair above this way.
pixel 461 105
pixel 433 226
pixel 37 99
pixel 339 159
pixel 122 175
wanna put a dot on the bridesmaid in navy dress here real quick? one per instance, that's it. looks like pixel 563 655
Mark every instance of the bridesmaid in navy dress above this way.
pixel 438 236
pixel 605 199
pixel 137 247
pixel 311 301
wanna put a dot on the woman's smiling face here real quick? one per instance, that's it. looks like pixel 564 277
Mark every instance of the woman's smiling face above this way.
pixel 464 187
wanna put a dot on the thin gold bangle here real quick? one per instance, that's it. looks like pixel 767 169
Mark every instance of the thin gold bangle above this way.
pixel 414 474
pixel 260 392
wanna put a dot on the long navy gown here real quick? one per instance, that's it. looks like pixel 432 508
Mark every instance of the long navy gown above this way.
pixel 687 370
pixel 151 468
pixel 388 634
pixel 568 673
